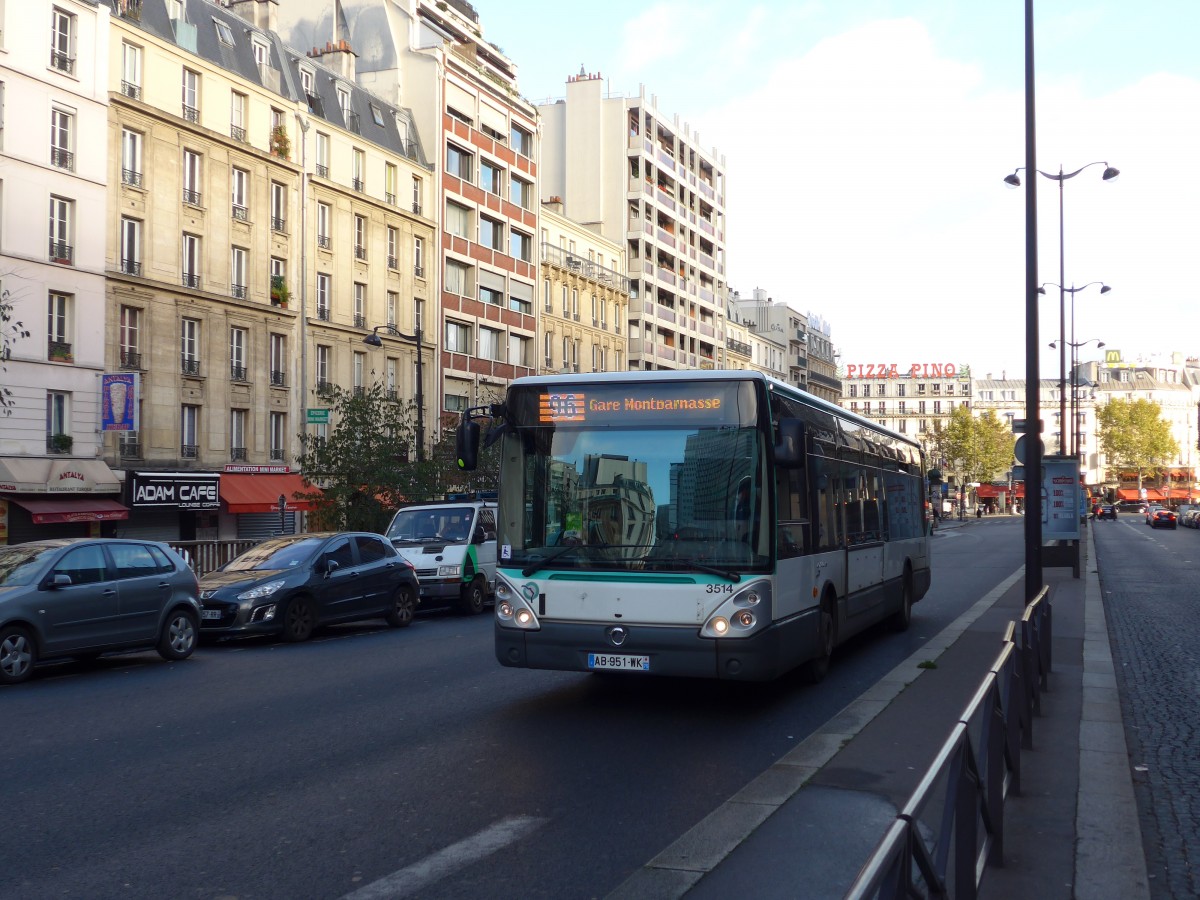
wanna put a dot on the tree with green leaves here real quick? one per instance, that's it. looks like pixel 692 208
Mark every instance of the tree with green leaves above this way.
pixel 11 331
pixel 976 448
pixel 1135 436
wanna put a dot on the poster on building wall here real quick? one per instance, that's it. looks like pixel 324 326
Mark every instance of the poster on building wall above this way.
pixel 119 401
pixel 1060 492
pixel 3 522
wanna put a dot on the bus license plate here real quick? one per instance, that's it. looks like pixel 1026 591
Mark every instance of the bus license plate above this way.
pixel 611 661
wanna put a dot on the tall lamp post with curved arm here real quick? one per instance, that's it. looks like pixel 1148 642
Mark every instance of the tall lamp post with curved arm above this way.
pixel 374 340
pixel 1109 174
pixel 1072 290
pixel 1075 345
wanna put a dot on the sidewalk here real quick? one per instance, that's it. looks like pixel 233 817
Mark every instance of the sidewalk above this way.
pixel 804 827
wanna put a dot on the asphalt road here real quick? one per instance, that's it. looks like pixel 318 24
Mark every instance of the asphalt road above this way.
pixel 402 763
pixel 1148 580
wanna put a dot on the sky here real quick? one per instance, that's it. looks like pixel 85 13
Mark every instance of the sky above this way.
pixel 866 144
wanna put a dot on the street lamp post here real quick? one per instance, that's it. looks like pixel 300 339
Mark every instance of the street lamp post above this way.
pixel 1109 174
pixel 374 340
pixel 1104 289
pixel 1075 345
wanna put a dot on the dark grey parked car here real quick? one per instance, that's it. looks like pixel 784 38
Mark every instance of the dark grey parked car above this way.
pixel 289 585
pixel 82 597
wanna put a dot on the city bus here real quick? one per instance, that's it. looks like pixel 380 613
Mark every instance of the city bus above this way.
pixel 708 524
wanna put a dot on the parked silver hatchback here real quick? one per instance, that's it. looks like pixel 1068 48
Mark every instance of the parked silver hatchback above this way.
pixel 83 597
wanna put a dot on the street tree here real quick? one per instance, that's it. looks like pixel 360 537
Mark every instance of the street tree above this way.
pixel 1135 437
pixel 11 331
pixel 975 448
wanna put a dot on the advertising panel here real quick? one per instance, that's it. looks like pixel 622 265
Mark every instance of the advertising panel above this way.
pixel 182 490
pixel 1060 498
pixel 119 401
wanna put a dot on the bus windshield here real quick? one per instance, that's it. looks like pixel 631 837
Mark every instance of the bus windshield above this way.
pixel 606 487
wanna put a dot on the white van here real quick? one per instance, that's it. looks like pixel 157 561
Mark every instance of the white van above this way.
pixel 452 545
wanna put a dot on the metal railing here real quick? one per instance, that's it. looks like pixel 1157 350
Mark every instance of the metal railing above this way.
pixel 207 556
pixel 977 768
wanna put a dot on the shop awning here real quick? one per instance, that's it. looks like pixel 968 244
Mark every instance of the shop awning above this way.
pixel 261 493
pixel 39 475
pixel 88 509
pixel 990 491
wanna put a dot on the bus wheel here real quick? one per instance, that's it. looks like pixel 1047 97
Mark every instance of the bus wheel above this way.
pixel 902 617
pixel 817 668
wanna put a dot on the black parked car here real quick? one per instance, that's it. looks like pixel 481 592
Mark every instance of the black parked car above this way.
pixel 82 597
pixel 290 585
pixel 1107 511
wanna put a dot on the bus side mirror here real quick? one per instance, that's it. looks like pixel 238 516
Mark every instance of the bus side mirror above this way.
pixel 466 444
pixel 789 449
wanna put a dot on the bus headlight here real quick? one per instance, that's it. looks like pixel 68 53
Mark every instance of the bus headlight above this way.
pixel 745 613
pixel 513 609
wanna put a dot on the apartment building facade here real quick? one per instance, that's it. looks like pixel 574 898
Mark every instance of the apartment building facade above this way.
pixel 53 99
pixel 644 179
pixel 584 298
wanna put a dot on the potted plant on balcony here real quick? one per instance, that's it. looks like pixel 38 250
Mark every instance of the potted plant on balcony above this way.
pixel 279 292
pixel 281 144
pixel 61 443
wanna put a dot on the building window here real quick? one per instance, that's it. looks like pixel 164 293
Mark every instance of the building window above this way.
pixel 393 242
pixel 359 370
pixel 389 182
pixel 360 305
pixel 458 162
pixel 419 257
pixel 390 376
pixel 61 139
pixel 416 197
pixel 322 367
pixel 519 350
pixel 491 178
pixel 262 52
pixel 393 303
pixel 239 179
pixel 458 220
pixel 490 295
pixel 491 233
pixel 62 41
pixel 237 435
pixel 490 343
pixel 238 338
pixel 191 261
pixel 360 170
pixel 324 292
pixel 191 95
pixel 129 336
pixel 522 141
pixel 458 278
pixel 58 421
pixel 189 346
pixel 360 237
pixel 322 155
pixel 238 259
pixel 58 321
pixel 131 71
pixel 224 34
pixel 189 432
pixel 278 360
pixel 520 246
pixel 520 192
pixel 278 435
pixel 131 246
pixel 278 207
pixel 277 279
pixel 458 337
pixel 62 215
pixel 324 217
pixel 131 157
pixel 548 349
pixel 191 178
pixel 520 304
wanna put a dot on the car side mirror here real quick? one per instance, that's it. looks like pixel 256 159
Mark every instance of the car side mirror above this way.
pixel 326 566
pixel 58 580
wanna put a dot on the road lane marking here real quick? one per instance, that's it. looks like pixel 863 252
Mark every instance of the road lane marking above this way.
pixel 413 878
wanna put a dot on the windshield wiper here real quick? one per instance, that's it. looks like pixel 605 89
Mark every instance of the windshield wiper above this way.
pixel 546 560
pixel 712 570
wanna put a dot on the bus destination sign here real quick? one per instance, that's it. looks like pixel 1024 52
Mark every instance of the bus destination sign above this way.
pixel 609 404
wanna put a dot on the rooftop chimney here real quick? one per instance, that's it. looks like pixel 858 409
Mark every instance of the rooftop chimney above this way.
pixel 338 57
pixel 263 14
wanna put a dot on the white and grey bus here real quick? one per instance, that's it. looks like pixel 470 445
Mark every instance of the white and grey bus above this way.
pixel 699 523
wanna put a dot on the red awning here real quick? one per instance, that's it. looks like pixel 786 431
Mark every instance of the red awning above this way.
pixel 90 509
pixel 261 493
pixel 990 491
pixel 1127 494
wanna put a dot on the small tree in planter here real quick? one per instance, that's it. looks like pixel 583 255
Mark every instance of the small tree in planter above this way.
pixel 281 144
pixel 279 292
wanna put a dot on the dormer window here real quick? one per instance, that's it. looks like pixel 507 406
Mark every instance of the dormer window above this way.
pixel 376 115
pixel 308 82
pixel 343 96
pixel 262 52
pixel 224 33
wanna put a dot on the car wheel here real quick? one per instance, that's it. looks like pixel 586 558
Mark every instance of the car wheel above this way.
pixel 817 668
pixel 299 620
pixel 17 655
pixel 179 634
pixel 473 597
pixel 404 607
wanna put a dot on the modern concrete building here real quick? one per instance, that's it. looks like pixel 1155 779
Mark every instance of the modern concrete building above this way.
pixel 643 178
pixel 432 58
pixel 776 336
pixel 584 298
pixel 53 194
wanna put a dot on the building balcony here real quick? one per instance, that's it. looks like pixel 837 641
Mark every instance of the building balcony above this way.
pixel 389 198
pixel 237 372
pixel 131 90
pixel 241 213
pixel 322 171
pixel 360 321
pixel 277 454
pixel 190 280
pixel 419 271
pixel 278 379
pixel 190 113
pixel 393 263
pixel 62 159
pixel 62 62
pixel 238 133
pixel 131 360
pixel 192 197
pixel 128 446
pixel 279 225
pixel 360 252
pixel 359 185
pixel 189 365
pixel 323 313
pixel 131 267
pixel 60 351
pixel 62 253
pixel 237 291
pixel 189 451
pixel 237 454
pixel 130 177
pixel 324 242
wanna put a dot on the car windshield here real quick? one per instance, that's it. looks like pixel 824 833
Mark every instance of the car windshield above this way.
pixel 432 524
pixel 278 553
pixel 20 564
